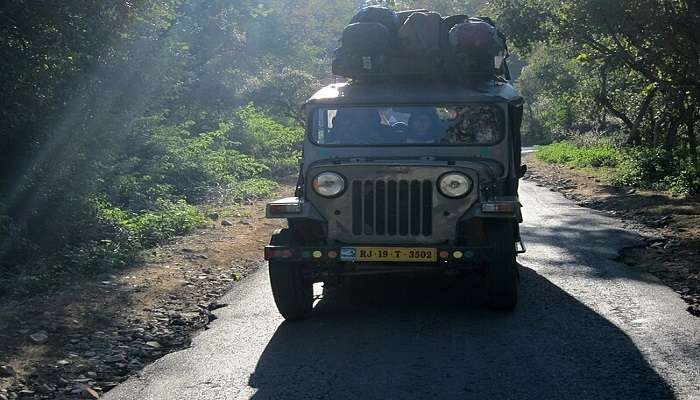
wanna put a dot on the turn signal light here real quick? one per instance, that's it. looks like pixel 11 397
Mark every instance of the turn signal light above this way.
pixel 278 253
pixel 498 207
pixel 283 208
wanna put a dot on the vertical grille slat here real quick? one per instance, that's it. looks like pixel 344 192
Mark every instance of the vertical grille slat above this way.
pixel 368 209
pixel 415 208
pixel 427 211
pixel 403 208
pixel 392 207
pixel 381 209
pixel 357 208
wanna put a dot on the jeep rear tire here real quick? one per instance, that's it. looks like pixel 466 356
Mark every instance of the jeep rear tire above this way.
pixel 502 271
pixel 293 293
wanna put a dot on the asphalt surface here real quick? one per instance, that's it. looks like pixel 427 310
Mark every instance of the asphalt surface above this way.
pixel 586 327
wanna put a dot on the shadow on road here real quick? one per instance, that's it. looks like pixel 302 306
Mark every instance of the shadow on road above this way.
pixel 397 339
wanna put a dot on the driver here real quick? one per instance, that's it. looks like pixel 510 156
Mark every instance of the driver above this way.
pixel 357 125
pixel 371 129
pixel 343 131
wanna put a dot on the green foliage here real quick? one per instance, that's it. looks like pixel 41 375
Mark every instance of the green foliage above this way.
pixel 142 105
pixel 251 189
pixel 169 161
pixel 580 157
pixel 624 70
pixel 655 168
pixel 649 168
pixel 445 7
pixel 276 145
pixel 686 182
pixel 643 167
pixel 155 226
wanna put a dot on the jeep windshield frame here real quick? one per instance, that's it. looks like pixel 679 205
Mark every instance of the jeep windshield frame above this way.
pixel 451 124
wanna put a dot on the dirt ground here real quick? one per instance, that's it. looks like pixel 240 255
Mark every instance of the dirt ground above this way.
pixel 670 225
pixel 81 340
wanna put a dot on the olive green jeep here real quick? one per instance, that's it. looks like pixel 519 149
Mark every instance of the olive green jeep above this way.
pixel 402 177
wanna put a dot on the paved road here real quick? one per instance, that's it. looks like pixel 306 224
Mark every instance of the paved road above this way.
pixel 586 328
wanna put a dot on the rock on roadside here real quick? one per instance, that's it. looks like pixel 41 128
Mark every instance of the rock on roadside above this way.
pixel 6 371
pixel 39 337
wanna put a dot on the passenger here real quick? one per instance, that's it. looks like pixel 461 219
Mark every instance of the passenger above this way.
pixel 487 128
pixel 473 125
pixel 422 127
pixel 458 126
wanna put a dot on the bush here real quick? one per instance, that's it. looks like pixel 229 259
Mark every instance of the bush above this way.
pixel 140 192
pixel 251 189
pixel 176 161
pixel 686 182
pixel 276 145
pixel 580 157
pixel 152 227
pixel 643 168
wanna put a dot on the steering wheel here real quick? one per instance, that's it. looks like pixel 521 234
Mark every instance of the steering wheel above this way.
pixel 399 127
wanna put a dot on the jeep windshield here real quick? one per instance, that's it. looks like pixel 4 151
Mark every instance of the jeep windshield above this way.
pixel 453 125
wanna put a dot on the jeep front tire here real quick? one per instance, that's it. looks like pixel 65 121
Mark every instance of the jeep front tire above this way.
pixel 293 293
pixel 502 270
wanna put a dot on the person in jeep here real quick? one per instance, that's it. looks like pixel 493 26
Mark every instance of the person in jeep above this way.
pixel 423 125
pixel 402 175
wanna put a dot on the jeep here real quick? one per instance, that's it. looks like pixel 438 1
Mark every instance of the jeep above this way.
pixel 401 178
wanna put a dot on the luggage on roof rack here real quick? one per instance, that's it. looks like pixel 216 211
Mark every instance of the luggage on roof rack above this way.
pixel 380 15
pixel 366 38
pixel 420 34
pixel 382 44
pixel 476 47
pixel 403 15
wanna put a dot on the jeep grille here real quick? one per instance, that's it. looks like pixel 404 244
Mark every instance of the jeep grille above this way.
pixel 392 207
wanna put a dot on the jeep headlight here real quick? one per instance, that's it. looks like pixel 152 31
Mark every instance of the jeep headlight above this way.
pixel 454 185
pixel 328 184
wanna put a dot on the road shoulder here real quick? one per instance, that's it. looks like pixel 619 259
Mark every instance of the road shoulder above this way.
pixel 83 338
pixel 670 225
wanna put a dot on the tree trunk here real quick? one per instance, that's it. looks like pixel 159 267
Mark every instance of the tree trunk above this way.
pixel 657 129
pixel 602 98
pixel 634 137
pixel 652 124
pixel 671 138
pixel 692 139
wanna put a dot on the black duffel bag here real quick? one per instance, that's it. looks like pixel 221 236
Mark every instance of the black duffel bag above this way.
pixel 354 65
pixel 380 15
pixel 475 45
pixel 403 15
pixel 367 38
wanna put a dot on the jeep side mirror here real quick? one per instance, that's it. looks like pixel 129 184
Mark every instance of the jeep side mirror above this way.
pixel 523 170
